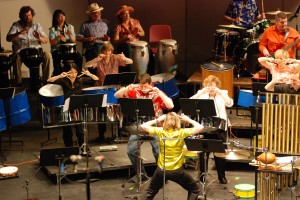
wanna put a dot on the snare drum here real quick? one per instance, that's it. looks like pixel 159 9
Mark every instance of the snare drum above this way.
pixel 139 53
pixel 225 75
pixel 167 55
pixel 19 108
pixel 32 57
pixel 166 82
pixel 51 95
pixel 8 171
pixel 67 51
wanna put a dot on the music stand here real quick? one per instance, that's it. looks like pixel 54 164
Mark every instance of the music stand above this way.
pixel 124 78
pixel 5 95
pixel 204 145
pixel 135 108
pixel 86 101
pixel 198 107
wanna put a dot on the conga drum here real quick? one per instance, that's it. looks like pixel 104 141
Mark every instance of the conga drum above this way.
pixel 167 55
pixel 224 72
pixel 139 53
pixel 67 51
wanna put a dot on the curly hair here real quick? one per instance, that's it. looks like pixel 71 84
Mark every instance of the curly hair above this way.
pixel 211 79
pixel 24 10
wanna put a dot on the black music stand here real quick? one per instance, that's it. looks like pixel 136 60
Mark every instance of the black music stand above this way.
pixel 136 108
pixel 124 78
pixel 86 101
pixel 5 95
pixel 204 145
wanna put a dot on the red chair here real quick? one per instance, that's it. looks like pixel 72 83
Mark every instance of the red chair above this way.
pixel 157 33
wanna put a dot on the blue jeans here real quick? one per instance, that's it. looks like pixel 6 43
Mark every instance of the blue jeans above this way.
pixel 133 145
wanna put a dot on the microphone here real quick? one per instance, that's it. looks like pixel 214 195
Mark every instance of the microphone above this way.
pixel 99 159
pixel 295 15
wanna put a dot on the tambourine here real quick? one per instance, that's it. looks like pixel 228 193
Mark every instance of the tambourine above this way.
pixel 8 171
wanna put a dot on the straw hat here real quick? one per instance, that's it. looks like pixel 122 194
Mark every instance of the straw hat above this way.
pixel 124 8
pixel 94 7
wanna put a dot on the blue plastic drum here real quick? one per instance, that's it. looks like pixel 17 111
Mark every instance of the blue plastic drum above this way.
pixel 19 108
pixel 110 91
pixel 166 82
pixel 51 95
pixel 2 116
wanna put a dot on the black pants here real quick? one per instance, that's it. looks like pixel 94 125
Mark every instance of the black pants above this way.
pixel 67 135
pixel 285 88
pixel 179 176
pixel 220 163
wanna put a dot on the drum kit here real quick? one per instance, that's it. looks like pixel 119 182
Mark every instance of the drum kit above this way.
pixel 238 46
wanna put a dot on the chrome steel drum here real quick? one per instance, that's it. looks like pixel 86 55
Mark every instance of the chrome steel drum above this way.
pixel 212 124
pixel 2 116
pixel 167 83
pixel 19 108
pixel 6 60
pixel 51 95
pixel 261 26
pixel 67 51
pixel 32 57
pixel 167 55
pixel 139 53
pixel 113 112
pixel 109 91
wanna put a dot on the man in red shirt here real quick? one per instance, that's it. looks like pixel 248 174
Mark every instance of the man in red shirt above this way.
pixel 145 90
pixel 279 36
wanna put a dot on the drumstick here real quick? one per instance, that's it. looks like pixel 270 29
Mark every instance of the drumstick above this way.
pixel 82 73
pixel 262 6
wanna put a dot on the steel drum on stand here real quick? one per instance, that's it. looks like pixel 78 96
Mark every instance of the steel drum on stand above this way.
pixel 139 53
pixel 167 55
pixel 166 82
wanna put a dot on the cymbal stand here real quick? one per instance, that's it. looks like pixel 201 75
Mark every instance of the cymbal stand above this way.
pixel 26 186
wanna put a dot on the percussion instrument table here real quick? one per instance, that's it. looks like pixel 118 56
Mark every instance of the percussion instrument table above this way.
pixel 244 82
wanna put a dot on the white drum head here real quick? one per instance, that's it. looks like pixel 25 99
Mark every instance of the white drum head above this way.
pixel 8 171
pixel 138 43
pixel 168 41
pixel 6 53
pixel 51 90
pixel 68 44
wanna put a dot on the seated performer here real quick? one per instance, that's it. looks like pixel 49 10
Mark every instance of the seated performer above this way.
pixel 285 72
pixel 71 85
pixel 62 33
pixel 27 33
pixel 106 63
pixel 171 156
pixel 126 31
pixel 160 100
pixel 211 90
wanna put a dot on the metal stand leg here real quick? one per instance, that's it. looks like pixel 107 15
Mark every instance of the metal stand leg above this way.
pixel 49 139
pixel 204 175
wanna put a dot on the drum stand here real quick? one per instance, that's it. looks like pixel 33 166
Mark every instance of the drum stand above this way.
pixel 85 101
pixel 136 108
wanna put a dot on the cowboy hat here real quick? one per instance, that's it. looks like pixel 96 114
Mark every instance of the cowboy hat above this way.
pixel 94 7
pixel 124 8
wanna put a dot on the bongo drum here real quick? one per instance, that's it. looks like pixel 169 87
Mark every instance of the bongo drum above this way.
pixel 139 53
pixel 167 55
pixel 223 72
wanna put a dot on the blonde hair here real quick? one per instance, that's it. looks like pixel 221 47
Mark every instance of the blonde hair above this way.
pixel 106 47
pixel 211 79
pixel 172 121
pixel 281 53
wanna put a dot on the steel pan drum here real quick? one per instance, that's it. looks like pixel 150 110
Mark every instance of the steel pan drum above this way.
pixel 224 74
pixel 212 124
pixel 51 95
pixel 2 116
pixel 167 55
pixel 19 108
pixel 110 91
pixel 139 53
pixel 166 82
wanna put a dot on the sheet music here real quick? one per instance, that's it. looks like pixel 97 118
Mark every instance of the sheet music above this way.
pixel 66 105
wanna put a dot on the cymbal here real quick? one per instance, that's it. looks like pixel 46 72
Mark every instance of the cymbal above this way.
pixel 232 26
pixel 277 11
pixel 234 155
